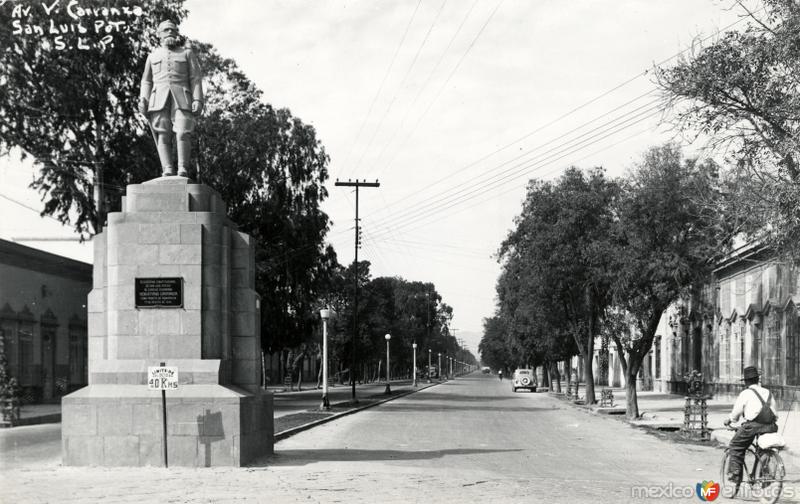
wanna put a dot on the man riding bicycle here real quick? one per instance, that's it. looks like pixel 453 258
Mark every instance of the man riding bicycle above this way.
pixel 757 406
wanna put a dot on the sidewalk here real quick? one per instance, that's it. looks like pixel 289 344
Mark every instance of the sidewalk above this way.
pixel 288 423
pixel 286 402
pixel 665 412
pixel 32 414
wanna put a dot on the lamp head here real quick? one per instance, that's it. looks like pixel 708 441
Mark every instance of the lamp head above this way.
pixel 414 346
pixel 388 336
pixel 325 314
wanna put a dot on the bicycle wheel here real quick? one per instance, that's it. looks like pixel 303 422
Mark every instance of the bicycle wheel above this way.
pixel 769 477
pixel 728 488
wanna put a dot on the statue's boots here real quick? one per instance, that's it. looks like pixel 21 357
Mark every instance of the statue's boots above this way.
pixel 184 156
pixel 165 155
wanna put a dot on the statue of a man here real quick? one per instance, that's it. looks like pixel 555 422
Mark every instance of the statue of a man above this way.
pixel 171 96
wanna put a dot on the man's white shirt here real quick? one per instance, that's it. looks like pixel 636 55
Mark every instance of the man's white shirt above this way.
pixel 749 406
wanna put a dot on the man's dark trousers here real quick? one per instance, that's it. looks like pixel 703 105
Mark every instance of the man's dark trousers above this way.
pixel 743 438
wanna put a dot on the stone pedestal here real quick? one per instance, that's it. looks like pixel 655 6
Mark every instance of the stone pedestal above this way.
pixel 170 227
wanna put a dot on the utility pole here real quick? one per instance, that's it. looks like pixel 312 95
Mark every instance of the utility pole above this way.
pixel 357 184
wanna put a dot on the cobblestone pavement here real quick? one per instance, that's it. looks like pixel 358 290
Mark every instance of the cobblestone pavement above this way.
pixel 468 439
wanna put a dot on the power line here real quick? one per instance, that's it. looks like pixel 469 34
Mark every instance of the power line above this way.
pixel 487 176
pixel 423 87
pixel 528 169
pixel 559 118
pixel 400 87
pixel 383 82
pixel 525 166
pixel 447 81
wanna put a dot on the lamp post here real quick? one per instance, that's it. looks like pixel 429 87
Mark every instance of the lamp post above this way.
pixel 451 367
pixel 325 314
pixel 429 365
pixel 440 365
pixel 388 388
pixel 414 346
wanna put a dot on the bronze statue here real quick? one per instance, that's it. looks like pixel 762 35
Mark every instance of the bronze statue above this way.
pixel 171 97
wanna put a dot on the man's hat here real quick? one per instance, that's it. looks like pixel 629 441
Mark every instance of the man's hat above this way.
pixel 750 372
pixel 165 24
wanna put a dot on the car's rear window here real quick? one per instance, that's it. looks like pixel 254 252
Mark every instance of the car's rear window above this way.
pixel 523 371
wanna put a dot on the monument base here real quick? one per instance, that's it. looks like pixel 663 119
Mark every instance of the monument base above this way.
pixel 207 425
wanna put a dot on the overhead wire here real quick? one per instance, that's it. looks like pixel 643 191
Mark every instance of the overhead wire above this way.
pixel 550 123
pixel 524 167
pixel 383 82
pixel 376 129
pixel 488 174
pixel 423 87
pixel 562 116
pixel 447 81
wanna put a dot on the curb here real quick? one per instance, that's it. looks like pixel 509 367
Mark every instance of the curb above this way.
pixel 279 436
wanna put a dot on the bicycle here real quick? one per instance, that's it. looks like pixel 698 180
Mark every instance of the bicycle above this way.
pixel 762 471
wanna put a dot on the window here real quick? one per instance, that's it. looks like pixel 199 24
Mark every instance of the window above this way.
pixel 658 357
pixel 11 348
pixel 792 348
pixel 724 350
pixel 25 369
pixel 77 355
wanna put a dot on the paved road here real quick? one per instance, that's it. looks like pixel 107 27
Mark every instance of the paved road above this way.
pixel 470 439
pixel 310 398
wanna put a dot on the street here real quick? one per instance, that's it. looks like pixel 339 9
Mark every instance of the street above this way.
pixel 470 438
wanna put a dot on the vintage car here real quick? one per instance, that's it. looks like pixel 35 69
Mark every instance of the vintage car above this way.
pixel 523 378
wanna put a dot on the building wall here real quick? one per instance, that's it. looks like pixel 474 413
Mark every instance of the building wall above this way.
pixel 43 320
pixel 746 315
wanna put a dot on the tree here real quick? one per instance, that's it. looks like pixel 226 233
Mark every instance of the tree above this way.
pixel 74 112
pixel 271 169
pixel 534 321
pixel 742 93
pixel 667 242
pixel 564 236
pixel 493 348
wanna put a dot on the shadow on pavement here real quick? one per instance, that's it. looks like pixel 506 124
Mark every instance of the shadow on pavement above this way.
pixel 433 407
pixel 455 397
pixel 303 457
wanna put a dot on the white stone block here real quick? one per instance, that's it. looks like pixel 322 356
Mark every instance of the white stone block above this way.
pixel 180 254
pixel 191 233
pixel 136 254
pixel 96 324
pixel 123 233
pixel 121 322
pixel 97 349
pixel 121 274
pixel 121 297
pixel 164 233
pixel 96 301
pixel 154 321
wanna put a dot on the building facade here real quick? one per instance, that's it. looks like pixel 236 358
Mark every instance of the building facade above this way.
pixel 747 315
pixel 43 320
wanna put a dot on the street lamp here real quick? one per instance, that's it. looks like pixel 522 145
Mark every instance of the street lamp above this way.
pixel 325 314
pixel 440 365
pixel 414 346
pixel 429 365
pixel 451 367
pixel 388 389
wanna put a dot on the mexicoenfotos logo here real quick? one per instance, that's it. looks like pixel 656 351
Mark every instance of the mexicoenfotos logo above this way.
pixel 707 490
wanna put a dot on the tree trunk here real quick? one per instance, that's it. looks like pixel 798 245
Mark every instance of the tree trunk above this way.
pixel 588 376
pixel 632 402
pixel 554 368
pixel 568 370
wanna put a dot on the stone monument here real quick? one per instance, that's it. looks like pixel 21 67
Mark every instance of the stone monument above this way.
pixel 174 285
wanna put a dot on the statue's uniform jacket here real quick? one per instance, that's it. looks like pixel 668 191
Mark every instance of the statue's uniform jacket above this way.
pixel 174 72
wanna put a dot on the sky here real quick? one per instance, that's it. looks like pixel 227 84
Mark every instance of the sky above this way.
pixel 454 105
